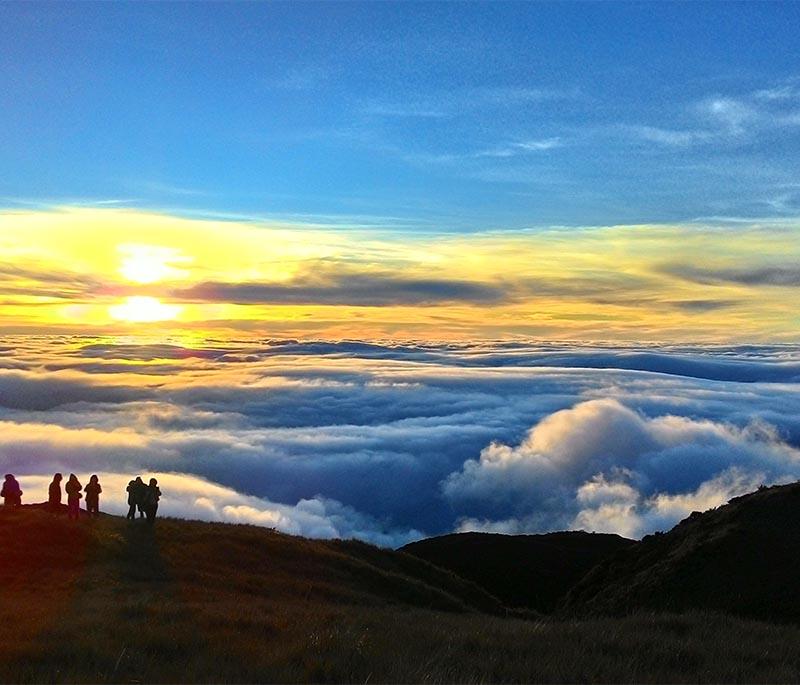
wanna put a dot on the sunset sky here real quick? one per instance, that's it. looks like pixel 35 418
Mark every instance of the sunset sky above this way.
pixel 309 258
pixel 600 171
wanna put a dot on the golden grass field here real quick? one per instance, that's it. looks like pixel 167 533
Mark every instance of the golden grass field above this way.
pixel 114 601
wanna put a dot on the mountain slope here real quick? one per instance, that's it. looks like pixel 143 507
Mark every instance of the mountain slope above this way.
pixel 532 571
pixel 742 558
pixel 106 600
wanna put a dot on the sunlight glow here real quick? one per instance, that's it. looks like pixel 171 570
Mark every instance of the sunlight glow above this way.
pixel 150 263
pixel 144 309
pixel 642 282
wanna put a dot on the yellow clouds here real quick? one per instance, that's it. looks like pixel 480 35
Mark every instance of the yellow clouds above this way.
pixel 114 270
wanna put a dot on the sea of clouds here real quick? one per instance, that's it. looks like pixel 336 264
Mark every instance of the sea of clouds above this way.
pixel 389 443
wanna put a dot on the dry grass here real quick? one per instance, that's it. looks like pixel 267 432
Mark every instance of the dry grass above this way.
pixel 195 602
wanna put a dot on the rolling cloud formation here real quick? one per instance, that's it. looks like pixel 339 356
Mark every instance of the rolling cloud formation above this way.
pixel 389 443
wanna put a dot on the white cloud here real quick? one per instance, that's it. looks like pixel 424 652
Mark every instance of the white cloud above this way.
pixel 783 92
pixel 379 428
pixel 734 115
pixel 670 137
pixel 620 508
pixel 602 466
pixel 522 147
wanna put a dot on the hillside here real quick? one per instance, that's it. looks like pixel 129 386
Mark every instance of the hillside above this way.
pixel 113 601
pixel 532 571
pixel 742 558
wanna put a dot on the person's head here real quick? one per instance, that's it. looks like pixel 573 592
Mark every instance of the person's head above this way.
pixel 9 476
pixel 58 477
pixel 72 476
pixel 93 479
pixel 133 482
pixel 153 482
pixel 139 480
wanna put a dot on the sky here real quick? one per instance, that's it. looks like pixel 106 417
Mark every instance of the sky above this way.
pixel 601 171
pixel 418 116
pixel 388 270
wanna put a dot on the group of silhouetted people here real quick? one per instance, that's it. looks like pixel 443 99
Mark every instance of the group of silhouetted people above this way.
pixel 141 497
pixel 74 491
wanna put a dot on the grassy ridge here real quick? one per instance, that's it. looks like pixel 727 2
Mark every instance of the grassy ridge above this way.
pixel 110 601
pixel 741 558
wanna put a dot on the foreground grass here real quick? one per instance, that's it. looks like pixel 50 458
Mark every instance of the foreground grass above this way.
pixel 108 601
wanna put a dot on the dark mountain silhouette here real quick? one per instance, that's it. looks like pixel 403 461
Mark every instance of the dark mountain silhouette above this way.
pixel 531 571
pixel 741 558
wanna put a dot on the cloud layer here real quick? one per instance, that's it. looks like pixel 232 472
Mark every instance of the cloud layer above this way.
pixel 388 442
pixel 602 466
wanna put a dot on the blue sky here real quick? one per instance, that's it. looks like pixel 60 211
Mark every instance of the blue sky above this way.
pixel 428 117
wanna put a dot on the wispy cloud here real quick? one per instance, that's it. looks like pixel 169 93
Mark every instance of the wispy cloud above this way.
pixel 781 92
pixel 670 137
pixel 522 147
pixel 50 202
pixel 421 110
pixel 455 103
pixel 735 116
pixel 725 120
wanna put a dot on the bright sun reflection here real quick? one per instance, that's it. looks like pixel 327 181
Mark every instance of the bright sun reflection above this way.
pixel 144 309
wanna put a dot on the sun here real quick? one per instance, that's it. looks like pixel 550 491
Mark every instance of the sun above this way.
pixel 150 263
pixel 143 309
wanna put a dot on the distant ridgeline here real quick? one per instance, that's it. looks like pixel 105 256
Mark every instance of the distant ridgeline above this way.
pixel 741 558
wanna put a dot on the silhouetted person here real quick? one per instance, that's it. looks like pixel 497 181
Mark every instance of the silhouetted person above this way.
pixel 11 492
pixel 151 496
pixel 73 488
pixel 54 493
pixel 141 489
pixel 133 498
pixel 93 491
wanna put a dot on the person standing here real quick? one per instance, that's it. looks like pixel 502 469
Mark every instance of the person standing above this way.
pixel 133 497
pixel 93 491
pixel 141 491
pixel 54 494
pixel 151 496
pixel 73 488
pixel 11 492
